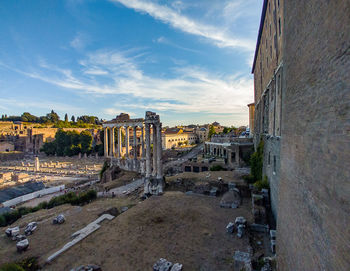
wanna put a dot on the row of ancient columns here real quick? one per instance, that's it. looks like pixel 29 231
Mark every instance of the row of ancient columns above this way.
pixel 109 142
pixel 157 150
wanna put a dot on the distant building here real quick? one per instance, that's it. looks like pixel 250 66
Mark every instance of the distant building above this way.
pixel 235 152
pixel 202 133
pixel 217 127
pixel 251 107
pixel 175 137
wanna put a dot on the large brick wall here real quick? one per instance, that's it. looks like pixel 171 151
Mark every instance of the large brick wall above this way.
pixel 314 192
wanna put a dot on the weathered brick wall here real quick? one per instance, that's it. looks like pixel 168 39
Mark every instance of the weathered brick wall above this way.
pixel 314 193
pixel 270 50
pixel 271 168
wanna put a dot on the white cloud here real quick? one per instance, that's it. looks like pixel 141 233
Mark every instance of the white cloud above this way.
pixel 188 25
pixel 164 40
pixel 115 112
pixel 79 41
pixel 189 90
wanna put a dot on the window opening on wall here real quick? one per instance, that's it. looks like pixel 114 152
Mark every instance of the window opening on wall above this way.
pixel 279 26
pixel 274 164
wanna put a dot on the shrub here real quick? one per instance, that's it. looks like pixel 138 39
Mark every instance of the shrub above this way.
pixel 2 221
pixel 256 162
pixel 72 198
pixel 104 168
pixel 217 168
pixel 11 267
pixel 248 178
pixel 262 184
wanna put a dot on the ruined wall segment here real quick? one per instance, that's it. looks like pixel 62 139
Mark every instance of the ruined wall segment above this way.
pixel 314 202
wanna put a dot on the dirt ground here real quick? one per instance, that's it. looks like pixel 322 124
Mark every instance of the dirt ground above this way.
pixel 123 178
pixel 189 229
pixel 227 176
pixel 48 238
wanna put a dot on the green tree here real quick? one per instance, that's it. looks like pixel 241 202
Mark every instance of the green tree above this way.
pixel 53 117
pixel 211 131
pixel 86 141
pixel 256 162
pixel 72 119
pixel 49 148
pixel 27 117
pixel 66 117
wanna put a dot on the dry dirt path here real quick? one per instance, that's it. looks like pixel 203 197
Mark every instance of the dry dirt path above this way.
pixel 122 190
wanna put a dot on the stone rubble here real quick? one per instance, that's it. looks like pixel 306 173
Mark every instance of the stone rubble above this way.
pixel 89 267
pixel 230 228
pixel 164 265
pixel 31 227
pixel 60 219
pixel 22 245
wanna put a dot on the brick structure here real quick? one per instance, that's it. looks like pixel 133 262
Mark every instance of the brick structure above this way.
pixel 314 191
pixel 268 91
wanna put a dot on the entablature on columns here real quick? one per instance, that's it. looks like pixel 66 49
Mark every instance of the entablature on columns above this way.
pixel 130 123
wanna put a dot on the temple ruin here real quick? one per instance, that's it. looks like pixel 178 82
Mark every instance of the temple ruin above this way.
pixel 145 153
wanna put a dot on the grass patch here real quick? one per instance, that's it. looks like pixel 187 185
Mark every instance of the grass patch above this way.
pixel 80 199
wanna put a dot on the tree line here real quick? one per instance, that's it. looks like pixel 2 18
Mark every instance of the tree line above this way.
pixel 53 118
pixel 69 143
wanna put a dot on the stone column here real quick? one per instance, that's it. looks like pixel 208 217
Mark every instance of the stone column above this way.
pixel 135 143
pixel 159 152
pixel 113 141
pixel 119 150
pixel 127 141
pixel 237 155
pixel 106 142
pixel 110 142
pixel 148 151
pixel 154 172
pixel 142 153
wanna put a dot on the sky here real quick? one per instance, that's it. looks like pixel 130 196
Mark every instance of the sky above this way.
pixel 188 60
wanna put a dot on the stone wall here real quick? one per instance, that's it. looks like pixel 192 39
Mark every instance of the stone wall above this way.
pixel 271 168
pixel 314 192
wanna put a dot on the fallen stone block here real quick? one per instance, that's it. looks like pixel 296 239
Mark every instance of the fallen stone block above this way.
pixel 31 227
pixel 162 265
pixel 20 237
pixel 80 235
pixel 12 232
pixel 230 227
pixel 22 245
pixel 124 209
pixel 240 220
pixel 89 267
pixel 240 230
pixel 60 219
pixel 176 267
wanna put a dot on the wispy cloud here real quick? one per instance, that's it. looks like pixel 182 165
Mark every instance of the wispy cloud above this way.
pixel 166 41
pixel 189 89
pixel 179 21
pixel 79 41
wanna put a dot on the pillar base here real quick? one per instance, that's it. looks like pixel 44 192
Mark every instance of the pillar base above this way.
pixel 153 186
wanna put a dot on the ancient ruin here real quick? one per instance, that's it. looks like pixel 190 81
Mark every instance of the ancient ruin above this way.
pixel 146 136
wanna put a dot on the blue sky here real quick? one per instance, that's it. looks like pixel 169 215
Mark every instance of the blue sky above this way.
pixel 189 61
